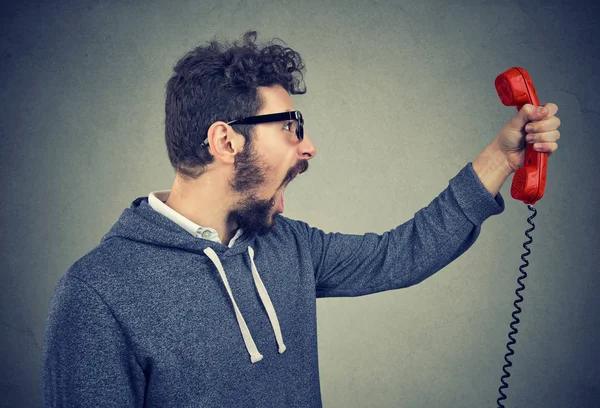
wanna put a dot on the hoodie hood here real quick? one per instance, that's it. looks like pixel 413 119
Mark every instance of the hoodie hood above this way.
pixel 141 223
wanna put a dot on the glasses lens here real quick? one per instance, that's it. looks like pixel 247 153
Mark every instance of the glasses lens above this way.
pixel 300 129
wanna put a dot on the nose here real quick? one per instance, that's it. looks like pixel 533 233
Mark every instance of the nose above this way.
pixel 306 148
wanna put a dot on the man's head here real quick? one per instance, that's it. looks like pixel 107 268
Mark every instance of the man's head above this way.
pixel 219 83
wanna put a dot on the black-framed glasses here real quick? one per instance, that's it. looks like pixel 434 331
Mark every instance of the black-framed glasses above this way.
pixel 274 117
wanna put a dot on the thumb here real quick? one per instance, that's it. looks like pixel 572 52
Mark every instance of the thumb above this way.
pixel 527 114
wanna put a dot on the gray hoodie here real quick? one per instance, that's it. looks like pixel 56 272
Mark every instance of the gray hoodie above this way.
pixel 156 317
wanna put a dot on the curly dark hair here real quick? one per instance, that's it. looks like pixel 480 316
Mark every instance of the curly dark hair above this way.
pixel 219 82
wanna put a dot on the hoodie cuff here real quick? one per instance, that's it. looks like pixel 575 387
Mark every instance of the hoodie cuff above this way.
pixel 473 198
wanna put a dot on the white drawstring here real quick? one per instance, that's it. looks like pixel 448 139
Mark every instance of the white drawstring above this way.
pixel 264 296
pixel 255 356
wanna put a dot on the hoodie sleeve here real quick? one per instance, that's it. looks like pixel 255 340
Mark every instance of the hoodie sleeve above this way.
pixel 86 360
pixel 354 265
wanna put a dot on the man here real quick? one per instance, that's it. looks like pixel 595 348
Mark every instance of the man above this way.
pixel 204 295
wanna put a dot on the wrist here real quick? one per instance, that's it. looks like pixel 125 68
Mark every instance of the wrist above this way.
pixel 492 168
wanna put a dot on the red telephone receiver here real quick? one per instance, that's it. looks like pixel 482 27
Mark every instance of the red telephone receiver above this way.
pixel 515 88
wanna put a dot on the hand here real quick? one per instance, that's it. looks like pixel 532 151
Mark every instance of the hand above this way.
pixel 529 126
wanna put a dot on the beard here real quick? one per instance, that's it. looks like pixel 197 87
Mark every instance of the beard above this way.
pixel 254 215
pixel 251 213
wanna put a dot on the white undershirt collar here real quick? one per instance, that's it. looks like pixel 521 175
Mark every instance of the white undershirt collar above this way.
pixel 157 199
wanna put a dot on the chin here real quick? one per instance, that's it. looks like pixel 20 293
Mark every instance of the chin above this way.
pixel 258 215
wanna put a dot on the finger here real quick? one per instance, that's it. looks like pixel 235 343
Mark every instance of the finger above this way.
pixel 543 126
pixel 551 136
pixel 545 147
pixel 528 113
pixel 551 108
pixel 535 112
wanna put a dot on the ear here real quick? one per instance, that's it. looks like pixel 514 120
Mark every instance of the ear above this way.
pixel 224 143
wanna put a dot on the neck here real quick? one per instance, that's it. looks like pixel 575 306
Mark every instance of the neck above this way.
pixel 206 201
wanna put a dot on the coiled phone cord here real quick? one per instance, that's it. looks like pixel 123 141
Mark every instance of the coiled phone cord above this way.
pixel 518 309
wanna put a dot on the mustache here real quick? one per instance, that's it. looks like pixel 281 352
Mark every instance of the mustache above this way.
pixel 298 168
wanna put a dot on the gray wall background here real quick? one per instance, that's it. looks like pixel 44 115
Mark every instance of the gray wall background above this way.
pixel 400 97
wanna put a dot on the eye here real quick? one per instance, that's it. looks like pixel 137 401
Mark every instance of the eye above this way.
pixel 288 126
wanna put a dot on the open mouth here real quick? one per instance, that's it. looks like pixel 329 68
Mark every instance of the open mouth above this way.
pixel 299 168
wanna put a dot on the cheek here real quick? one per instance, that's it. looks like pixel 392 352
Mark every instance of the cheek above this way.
pixel 275 176
pixel 285 165
pixel 281 161
pixel 277 173
pixel 279 157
